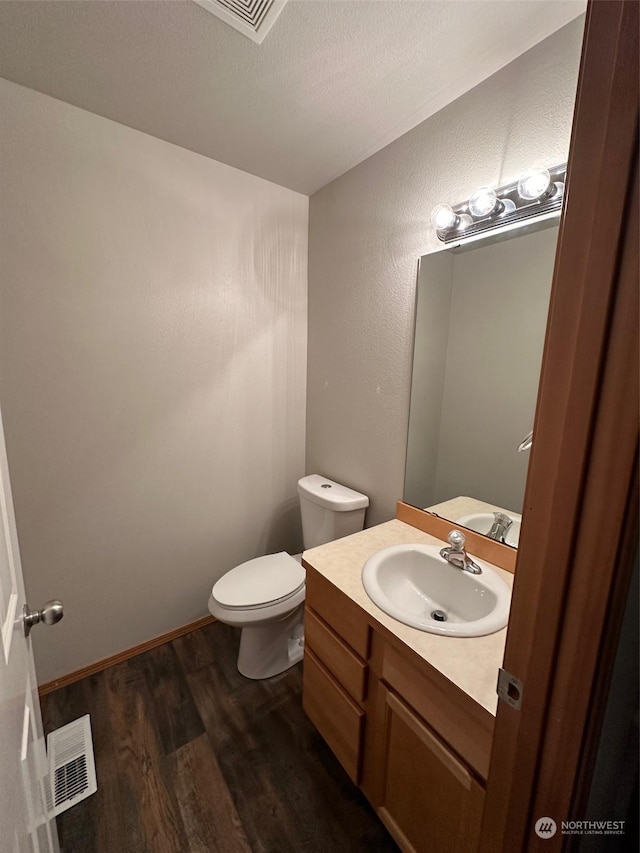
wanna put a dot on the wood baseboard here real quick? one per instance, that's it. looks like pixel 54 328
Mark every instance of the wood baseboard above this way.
pixel 105 663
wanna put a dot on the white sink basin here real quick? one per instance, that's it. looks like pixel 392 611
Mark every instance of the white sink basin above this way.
pixel 411 582
pixel 481 522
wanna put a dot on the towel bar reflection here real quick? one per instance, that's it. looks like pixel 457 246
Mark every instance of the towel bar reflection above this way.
pixel 526 442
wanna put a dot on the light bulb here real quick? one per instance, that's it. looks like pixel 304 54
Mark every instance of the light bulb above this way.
pixel 535 184
pixel 483 202
pixel 506 206
pixel 443 217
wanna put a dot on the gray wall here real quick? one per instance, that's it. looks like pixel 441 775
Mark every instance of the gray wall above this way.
pixel 153 369
pixel 497 322
pixel 369 227
pixel 433 306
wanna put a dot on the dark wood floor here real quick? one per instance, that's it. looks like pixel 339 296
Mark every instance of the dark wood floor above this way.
pixel 191 756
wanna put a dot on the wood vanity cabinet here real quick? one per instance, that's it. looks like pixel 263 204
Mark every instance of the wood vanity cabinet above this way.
pixel 419 755
pixel 335 678
pixel 429 798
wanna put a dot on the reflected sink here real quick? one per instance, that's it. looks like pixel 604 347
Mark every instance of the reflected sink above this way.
pixel 412 582
pixel 481 522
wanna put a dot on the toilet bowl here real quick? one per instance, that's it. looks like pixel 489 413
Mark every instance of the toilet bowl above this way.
pixel 265 596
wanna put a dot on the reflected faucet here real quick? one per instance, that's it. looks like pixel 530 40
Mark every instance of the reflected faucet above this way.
pixel 456 554
pixel 500 527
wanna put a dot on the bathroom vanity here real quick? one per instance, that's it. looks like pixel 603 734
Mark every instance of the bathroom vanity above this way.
pixel 409 714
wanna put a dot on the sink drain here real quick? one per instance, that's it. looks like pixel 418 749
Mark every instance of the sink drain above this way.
pixel 439 616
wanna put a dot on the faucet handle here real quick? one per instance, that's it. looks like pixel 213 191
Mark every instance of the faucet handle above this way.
pixel 456 539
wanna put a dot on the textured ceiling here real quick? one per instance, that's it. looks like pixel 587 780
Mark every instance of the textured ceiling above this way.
pixel 333 82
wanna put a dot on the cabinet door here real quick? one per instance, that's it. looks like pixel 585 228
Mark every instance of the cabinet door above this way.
pixel 429 799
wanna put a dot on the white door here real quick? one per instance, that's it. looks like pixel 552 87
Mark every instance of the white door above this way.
pixel 25 826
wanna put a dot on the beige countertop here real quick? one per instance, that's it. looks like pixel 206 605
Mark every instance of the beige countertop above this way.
pixel 461 506
pixel 471 663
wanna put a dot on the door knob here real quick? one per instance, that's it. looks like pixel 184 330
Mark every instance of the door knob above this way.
pixel 51 613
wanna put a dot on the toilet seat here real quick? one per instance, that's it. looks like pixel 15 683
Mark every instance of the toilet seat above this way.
pixel 259 583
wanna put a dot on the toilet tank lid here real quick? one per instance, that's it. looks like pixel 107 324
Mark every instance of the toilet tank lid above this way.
pixel 331 495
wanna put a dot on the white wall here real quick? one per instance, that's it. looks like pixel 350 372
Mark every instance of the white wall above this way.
pixel 153 361
pixel 369 227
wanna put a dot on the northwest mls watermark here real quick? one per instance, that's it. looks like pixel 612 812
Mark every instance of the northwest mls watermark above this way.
pixel 546 827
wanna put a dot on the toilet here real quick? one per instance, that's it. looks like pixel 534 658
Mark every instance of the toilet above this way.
pixel 265 596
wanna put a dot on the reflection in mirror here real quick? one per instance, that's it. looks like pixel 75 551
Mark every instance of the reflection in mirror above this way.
pixel 481 314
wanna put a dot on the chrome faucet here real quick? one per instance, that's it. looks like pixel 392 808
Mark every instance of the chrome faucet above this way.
pixel 500 527
pixel 456 554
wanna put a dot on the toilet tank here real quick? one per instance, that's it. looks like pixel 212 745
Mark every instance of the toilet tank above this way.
pixel 329 510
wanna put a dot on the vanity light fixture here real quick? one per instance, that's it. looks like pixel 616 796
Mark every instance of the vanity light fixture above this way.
pixel 537 192
pixel 536 184
pixel 443 217
pixel 485 202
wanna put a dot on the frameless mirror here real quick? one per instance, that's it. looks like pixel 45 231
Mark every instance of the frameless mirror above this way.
pixel 481 314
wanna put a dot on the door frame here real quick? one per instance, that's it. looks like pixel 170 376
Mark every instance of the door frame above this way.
pixel 580 509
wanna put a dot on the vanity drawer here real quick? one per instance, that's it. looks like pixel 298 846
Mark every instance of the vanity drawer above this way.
pixel 338 611
pixel 346 666
pixel 464 724
pixel 336 716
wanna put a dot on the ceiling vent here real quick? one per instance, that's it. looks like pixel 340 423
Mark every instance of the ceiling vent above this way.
pixel 252 18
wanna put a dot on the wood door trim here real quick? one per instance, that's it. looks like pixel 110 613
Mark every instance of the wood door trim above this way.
pixel 603 675
pixel 574 432
pixel 601 562
pixel 112 660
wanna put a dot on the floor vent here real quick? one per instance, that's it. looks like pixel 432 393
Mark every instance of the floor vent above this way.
pixel 252 18
pixel 72 769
